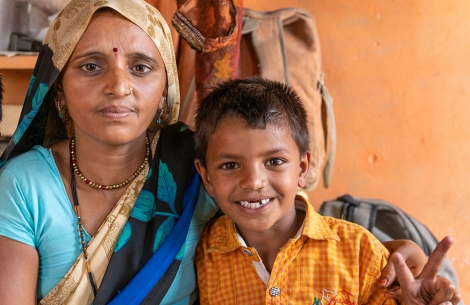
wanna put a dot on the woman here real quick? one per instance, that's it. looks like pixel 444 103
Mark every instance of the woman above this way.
pixel 100 81
pixel 81 218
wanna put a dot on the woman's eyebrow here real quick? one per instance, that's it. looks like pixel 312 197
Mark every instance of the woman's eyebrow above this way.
pixel 88 54
pixel 143 56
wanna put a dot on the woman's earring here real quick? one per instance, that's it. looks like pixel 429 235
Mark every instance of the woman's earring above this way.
pixel 159 116
pixel 59 109
pixel 160 112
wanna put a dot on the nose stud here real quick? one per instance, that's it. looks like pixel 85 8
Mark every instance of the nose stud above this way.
pixel 131 91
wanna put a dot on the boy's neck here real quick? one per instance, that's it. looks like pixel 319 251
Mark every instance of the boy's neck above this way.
pixel 268 243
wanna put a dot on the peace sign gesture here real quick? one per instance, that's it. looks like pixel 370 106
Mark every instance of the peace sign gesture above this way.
pixel 427 287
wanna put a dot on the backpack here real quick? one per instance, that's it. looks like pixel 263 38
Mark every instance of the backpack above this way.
pixel 284 45
pixel 387 222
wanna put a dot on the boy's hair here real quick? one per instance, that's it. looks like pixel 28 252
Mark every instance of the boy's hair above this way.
pixel 258 101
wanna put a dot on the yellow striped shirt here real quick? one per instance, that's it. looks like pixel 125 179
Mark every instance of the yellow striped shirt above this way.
pixel 332 262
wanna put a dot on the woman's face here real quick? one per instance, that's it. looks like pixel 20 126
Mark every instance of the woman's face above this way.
pixel 113 56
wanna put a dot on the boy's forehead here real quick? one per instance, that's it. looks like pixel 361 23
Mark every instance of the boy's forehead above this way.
pixel 231 126
pixel 280 122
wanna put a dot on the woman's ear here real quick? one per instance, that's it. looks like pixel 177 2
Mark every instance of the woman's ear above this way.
pixel 202 170
pixel 304 165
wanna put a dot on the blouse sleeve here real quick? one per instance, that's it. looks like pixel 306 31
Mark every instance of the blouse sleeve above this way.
pixel 16 218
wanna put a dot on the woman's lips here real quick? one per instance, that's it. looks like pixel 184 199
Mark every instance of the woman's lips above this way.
pixel 116 112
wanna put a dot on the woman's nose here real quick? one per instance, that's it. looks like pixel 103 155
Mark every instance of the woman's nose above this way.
pixel 252 179
pixel 119 82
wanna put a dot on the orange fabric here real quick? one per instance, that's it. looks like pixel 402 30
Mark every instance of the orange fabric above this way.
pixel 332 262
pixel 214 29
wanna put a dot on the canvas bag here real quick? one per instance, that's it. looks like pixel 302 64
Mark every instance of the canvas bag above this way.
pixel 284 45
pixel 387 222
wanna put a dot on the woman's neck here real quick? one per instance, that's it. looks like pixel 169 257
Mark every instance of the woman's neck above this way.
pixel 109 164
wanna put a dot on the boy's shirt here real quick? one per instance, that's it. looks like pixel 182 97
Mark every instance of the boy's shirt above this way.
pixel 331 262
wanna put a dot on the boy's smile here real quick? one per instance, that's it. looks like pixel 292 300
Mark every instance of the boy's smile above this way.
pixel 254 174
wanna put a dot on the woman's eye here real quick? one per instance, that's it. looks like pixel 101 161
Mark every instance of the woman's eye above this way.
pixel 229 165
pixel 275 162
pixel 90 67
pixel 141 68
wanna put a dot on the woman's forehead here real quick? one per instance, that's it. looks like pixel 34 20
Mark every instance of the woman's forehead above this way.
pixel 112 30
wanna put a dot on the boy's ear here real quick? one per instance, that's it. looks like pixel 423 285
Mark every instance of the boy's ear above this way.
pixel 304 165
pixel 204 176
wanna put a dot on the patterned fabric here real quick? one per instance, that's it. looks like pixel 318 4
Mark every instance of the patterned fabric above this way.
pixel 331 262
pixel 142 270
pixel 213 29
pixel 150 248
pixel 75 287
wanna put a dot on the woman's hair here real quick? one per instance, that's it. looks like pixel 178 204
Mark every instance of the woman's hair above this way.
pixel 256 100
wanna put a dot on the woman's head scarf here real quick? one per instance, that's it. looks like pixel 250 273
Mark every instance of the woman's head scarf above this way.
pixel 58 45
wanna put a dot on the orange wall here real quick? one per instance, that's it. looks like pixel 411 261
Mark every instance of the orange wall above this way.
pixel 399 74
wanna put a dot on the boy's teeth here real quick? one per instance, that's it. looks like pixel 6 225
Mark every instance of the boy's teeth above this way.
pixel 253 205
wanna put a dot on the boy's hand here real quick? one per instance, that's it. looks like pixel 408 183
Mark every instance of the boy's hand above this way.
pixel 428 287
pixel 413 255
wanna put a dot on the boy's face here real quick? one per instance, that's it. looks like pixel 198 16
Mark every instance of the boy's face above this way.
pixel 254 174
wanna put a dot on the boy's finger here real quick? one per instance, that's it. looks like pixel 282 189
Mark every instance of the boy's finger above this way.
pixel 446 291
pixel 388 275
pixel 404 275
pixel 436 258
pixel 412 254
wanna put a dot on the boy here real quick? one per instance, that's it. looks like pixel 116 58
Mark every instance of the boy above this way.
pixel 272 247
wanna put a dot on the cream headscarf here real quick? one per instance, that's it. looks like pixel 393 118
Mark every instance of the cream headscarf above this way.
pixel 59 43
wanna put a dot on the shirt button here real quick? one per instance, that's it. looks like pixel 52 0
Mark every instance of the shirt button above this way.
pixel 274 291
pixel 247 252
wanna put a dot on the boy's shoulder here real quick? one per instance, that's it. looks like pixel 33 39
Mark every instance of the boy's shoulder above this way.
pixel 352 235
pixel 219 231
pixel 338 233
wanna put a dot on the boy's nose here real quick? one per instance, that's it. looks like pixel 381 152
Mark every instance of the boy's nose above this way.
pixel 252 179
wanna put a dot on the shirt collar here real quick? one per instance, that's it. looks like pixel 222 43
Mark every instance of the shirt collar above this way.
pixel 314 227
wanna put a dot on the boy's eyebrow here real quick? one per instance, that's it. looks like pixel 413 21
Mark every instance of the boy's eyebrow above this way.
pixel 274 151
pixel 226 156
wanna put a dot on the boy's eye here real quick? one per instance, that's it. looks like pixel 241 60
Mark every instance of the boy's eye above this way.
pixel 274 162
pixel 229 165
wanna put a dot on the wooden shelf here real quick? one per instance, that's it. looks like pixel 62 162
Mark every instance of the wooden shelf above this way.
pixel 17 62
pixel 16 71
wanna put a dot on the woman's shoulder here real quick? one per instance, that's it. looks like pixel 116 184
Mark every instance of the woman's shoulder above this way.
pixel 177 140
pixel 37 158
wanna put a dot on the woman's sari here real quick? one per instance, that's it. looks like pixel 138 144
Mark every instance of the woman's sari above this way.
pixel 138 248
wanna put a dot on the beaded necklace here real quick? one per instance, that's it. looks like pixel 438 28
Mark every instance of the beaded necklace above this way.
pixel 76 205
pixel 73 164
